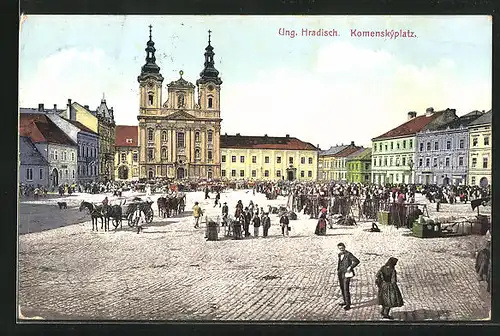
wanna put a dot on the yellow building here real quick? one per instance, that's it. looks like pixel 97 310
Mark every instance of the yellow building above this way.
pixel 333 162
pixel 480 159
pixel 126 167
pixel 267 158
pixel 179 138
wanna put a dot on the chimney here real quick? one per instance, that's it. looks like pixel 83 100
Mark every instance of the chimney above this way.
pixel 237 134
pixel 265 135
pixel 411 115
pixel 352 143
pixel 69 102
pixel 429 111
pixel 55 107
pixel 288 135
pixel 86 107
pixel 40 107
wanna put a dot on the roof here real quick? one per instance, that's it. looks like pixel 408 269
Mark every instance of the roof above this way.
pixel 411 127
pixel 482 120
pixel 264 142
pixel 462 121
pixel 361 154
pixel 29 154
pixel 81 126
pixel 332 150
pixel 348 151
pixel 181 83
pixel 36 110
pixel 124 132
pixel 40 128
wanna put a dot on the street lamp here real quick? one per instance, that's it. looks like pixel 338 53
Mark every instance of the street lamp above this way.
pixel 410 165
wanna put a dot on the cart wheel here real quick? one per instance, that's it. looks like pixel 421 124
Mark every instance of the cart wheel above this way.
pixel 115 222
pixel 130 219
pixel 149 215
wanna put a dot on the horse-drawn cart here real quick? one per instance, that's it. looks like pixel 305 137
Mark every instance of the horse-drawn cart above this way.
pixel 132 211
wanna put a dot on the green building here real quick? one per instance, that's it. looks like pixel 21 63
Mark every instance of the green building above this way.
pixel 359 166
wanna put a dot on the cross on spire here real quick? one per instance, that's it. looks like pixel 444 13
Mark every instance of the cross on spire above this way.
pixel 150 29
pixel 209 31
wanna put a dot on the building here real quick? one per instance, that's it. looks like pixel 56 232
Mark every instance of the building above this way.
pixel 359 166
pixel 333 164
pixel 88 146
pixel 326 161
pixel 480 160
pixel 179 137
pixel 442 154
pixel 102 122
pixel 393 153
pixel 126 165
pixel 267 158
pixel 33 167
pixel 53 144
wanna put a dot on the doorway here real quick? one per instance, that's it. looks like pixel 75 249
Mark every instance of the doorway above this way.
pixel 290 175
pixel 180 173
pixel 55 177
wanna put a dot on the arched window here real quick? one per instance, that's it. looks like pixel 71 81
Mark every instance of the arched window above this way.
pixel 180 140
pixel 150 134
pixel 180 100
pixel 210 136
pixel 209 155
pixel 197 137
pixel 150 98
pixel 163 135
pixel 164 152
pixel 197 153
pixel 210 102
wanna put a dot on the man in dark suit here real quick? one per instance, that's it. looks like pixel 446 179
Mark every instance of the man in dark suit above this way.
pixel 347 262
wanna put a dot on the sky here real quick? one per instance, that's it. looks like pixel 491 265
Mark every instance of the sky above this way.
pixel 326 90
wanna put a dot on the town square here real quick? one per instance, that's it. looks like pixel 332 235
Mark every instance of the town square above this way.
pixel 220 169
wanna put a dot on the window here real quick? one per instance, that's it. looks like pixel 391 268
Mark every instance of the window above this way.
pixel 485 162
pixel 436 145
pixel 420 162
pixel 380 146
pixel 461 144
pixel 429 146
pixel 397 145
pixel 242 173
pixel 233 158
pixel 209 155
pixel 136 171
pixel 223 173
pixel 150 99
pixel 164 152
pixel 421 146
pixel 310 160
pixel 404 144
pixel 150 154
pixel 95 170
pixel 461 161
pixel 367 165
pixel 254 173
pixel 290 160
pixel 242 159
pixel 411 143
pixel 390 162
pixel 55 154
pixel 278 173
pixel 86 151
pixel 197 155
pixel 278 159
pixel 223 158
pixel 150 134
pixel 254 159
pixel 302 173
pixel 29 174
pixel 448 144
pixel 266 159
pixel 180 140
pixel 266 173
pixel 233 173
pixel 210 102
pixel 197 136
pixel 385 161
pixel 40 174
pixel 65 173
pixel 486 140
pixel 163 135
pixel 474 142
pixel 180 100
pixel 392 145
pixel 447 162
pixel 427 162
pixel 309 173
pixel 72 156
pixel 435 162
pixel 386 147
pixel 134 157
pixel 73 173
pixel 473 180
pixel 474 162
pixel 210 136
pixel 124 157
pixel 80 151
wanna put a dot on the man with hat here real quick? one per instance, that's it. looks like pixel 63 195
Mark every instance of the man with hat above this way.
pixel 225 213
pixel 266 223
pixel 197 213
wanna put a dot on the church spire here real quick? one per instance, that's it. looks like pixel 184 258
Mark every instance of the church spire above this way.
pixel 209 73
pixel 150 68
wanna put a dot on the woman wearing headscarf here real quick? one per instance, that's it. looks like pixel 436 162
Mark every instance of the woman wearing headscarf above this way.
pixel 389 295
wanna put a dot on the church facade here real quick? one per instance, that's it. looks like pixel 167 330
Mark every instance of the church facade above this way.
pixel 179 137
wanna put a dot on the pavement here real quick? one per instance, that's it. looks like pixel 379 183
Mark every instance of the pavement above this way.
pixel 171 272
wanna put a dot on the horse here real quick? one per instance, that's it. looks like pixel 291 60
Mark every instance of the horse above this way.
pixel 162 206
pixel 96 211
pixel 115 213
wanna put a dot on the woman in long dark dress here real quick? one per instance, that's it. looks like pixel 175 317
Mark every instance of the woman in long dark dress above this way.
pixel 321 226
pixel 389 295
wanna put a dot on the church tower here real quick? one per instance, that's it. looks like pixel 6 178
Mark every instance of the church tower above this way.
pixel 209 82
pixel 150 80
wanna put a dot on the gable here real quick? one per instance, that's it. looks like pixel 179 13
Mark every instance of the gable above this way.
pixel 181 115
